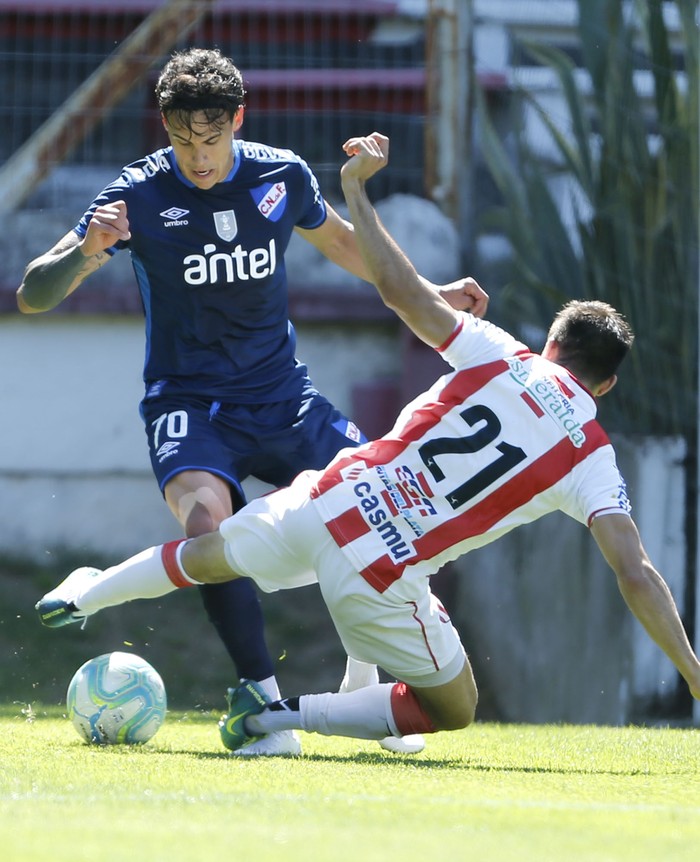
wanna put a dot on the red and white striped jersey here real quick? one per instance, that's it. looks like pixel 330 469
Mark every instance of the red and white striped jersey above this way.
pixel 503 440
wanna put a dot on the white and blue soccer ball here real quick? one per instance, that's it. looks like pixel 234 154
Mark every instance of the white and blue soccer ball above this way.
pixel 116 698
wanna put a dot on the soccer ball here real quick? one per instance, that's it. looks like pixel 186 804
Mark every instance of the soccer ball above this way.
pixel 116 698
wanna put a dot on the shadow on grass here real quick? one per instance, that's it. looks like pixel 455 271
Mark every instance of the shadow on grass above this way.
pixel 420 762
pixel 388 759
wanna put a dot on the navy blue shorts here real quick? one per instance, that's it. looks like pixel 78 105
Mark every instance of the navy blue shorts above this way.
pixel 273 442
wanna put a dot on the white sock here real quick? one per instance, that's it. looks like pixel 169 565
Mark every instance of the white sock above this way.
pixel 358 674
pixel 270 687
pixel 363 714
pixel 140 577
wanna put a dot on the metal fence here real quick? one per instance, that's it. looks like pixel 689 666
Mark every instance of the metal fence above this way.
pixel 315 72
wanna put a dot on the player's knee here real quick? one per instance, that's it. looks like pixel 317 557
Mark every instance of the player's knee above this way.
pixel 466 705
pixel 200 521
pixel 198 506
pixel 460 714
pixel 454 707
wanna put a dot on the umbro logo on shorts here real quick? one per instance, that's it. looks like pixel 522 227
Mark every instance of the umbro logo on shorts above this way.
pixel 168 448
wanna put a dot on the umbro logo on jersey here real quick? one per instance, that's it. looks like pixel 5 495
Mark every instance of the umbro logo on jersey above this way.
pixel 174 217
pixel 174 212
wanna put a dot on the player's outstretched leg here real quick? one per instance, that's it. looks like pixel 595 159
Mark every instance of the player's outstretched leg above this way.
pixel 359 674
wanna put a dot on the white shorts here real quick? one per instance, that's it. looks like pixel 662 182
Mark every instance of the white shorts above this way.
pixel 281 543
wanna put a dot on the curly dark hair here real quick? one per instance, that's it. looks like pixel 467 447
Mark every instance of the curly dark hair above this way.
pixel 200 79
pixel 593 339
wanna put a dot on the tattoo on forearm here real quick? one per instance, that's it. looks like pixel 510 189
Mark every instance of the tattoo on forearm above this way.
pixel 49 280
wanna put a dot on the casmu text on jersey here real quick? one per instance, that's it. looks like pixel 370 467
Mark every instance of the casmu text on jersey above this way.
pixel 236 265
pixel 379 519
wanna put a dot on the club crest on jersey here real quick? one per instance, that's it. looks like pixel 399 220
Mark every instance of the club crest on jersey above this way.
pixel 226 226
pixel 271 200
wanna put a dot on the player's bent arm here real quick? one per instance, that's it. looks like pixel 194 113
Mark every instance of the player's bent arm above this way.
pixel 646 593
pixel 52 276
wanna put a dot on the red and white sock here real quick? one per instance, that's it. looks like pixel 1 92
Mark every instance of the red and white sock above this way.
pixel 372 712
pixel 148 575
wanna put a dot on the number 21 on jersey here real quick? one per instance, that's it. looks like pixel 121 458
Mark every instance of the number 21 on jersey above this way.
pixel 508 456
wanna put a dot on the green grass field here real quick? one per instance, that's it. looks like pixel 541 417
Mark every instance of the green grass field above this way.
pixel 493 792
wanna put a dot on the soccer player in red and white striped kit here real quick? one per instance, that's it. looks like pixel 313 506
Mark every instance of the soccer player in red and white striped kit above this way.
pixel 507 437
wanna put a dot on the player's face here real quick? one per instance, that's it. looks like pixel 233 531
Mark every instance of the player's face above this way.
pixel 203 152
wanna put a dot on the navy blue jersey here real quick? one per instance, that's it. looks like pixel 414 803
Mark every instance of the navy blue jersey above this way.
pixel 210 268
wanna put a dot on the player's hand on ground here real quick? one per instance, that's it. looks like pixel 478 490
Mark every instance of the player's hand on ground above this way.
pixel 368 155
pixel 109 224
pixel 466 294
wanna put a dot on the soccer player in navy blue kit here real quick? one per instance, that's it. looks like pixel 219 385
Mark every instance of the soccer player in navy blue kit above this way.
pixel 207 221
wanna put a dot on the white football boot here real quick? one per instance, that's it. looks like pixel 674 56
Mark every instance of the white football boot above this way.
pixel 281 742
pixel 59 607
